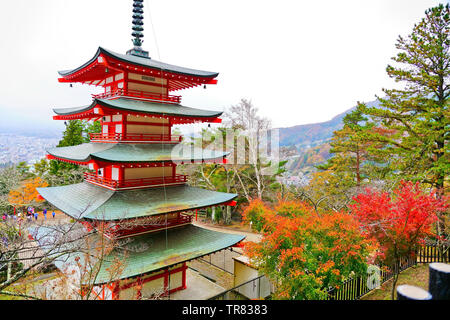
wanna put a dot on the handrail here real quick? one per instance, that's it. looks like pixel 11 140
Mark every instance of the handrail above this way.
pixel 136 137
pixel 127 183
pixel 139 94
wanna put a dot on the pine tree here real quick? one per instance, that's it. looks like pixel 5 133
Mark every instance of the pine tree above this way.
pixel 77 132
pixel 354 161
pixel 416 115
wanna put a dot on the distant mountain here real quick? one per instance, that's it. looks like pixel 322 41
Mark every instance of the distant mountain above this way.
pixel 306 146
pixel 310 135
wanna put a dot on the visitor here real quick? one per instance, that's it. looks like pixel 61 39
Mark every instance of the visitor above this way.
pixel 45 214
pixel 4 217
pixel 35 216
pixel 53 214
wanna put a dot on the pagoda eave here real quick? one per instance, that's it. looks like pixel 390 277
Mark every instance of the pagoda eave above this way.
pixel 186 243
pixel 106 63
pixel 87 201
pixel 176 114
pixel 133 154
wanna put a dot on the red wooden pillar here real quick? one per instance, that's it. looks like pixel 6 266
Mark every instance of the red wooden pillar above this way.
pixel 166 281
pixel 169 131
pixel 183 276
pixel 124 124
pixel 196 213
pixel 115 291
pixel 139 288
pixel 174 169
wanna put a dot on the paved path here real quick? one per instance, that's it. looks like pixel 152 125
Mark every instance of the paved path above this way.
pixel 249 236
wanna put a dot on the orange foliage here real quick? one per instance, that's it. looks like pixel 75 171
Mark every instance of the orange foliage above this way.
pixel 27 194
pixel 307 252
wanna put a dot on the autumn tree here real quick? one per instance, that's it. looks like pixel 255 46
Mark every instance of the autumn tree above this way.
pixel 399 222
pixel 304 253
pixel 26 194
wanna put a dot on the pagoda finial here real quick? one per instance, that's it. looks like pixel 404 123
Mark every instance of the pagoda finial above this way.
pixel 138 28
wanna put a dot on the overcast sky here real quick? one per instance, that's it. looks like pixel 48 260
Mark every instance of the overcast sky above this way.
pixel 298 61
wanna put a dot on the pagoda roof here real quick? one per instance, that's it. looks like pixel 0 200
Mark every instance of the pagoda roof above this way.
pixel 143 62
pixel 88 201
pixel 128 152
pixel 138 106
pixel 141 254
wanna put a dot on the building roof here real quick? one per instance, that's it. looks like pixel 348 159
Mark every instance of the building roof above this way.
pixel 128 152
pixel 141 106
pixel 145 253
pixel 88 201
pixel 144 62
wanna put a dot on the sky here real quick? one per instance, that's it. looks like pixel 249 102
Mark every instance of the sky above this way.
pixel 298 62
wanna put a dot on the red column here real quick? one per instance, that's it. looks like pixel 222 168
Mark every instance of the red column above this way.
pixel 166 281
pixel 183 276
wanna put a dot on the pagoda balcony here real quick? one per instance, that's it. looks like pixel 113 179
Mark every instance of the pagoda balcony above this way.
pixel 135 137
pixel 134 183
pixel 125 229
pixel 141 95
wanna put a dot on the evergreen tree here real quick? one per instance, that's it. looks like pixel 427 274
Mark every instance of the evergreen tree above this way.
pixel 77 132
pixel 73 135
pixel 350 150
pixel 416 116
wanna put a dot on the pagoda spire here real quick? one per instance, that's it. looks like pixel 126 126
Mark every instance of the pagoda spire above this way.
pixel 138 30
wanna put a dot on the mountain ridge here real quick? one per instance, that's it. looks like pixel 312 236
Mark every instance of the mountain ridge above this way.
pixel 309 135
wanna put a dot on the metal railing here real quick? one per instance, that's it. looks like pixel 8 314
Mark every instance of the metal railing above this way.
pixel 355 288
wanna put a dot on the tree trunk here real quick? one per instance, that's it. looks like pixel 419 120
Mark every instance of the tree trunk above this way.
pixel 8 274
pixel 394 285
pixel 358 175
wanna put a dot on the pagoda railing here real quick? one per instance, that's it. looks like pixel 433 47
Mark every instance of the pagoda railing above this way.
pixel 121 230
pixel 151 96
pixel 135 183
pixel 136 137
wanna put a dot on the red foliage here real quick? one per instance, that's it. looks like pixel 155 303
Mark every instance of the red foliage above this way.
pixel 399 223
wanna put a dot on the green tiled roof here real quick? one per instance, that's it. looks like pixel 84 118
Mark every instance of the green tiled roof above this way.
pixel 127 152
pixel 153 251
pixel 145 62
pixel 144 107
pixel 88 201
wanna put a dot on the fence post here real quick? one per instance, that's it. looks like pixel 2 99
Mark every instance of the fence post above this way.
pixel 407 292
pixel 358 287
pixel 439 281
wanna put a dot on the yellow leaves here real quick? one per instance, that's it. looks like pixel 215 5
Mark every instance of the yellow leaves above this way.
pixel 26 194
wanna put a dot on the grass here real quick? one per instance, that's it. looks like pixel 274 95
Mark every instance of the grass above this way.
pixel 416 276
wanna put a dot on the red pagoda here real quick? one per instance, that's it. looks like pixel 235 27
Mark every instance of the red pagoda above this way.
pixel 132 190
